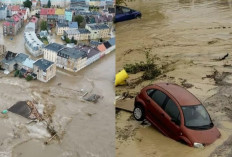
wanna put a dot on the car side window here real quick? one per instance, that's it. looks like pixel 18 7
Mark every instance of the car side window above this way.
pixel 125 10
pixel 172 110
pixel 150 92
pixel 119 10
pixel 159 97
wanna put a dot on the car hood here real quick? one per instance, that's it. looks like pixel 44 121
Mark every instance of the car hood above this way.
pixel 205 137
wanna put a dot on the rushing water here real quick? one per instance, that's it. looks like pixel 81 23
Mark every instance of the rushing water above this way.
pixel 87 129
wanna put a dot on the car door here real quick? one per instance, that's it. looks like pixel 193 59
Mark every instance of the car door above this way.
pixel 119 14
pixel 171 119
pixel 127 13
pixel 154 104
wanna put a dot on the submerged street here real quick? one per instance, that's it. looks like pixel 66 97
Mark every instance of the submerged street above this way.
pixel 76 121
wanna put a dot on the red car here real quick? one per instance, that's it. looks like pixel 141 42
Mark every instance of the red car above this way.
pixel 177 113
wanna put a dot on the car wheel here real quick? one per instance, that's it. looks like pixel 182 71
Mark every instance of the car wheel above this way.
pixel 139 113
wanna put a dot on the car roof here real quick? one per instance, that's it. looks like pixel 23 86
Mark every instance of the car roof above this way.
pixel 181 95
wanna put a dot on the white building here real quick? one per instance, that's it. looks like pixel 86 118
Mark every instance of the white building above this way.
pixel 33 44
pixel 71 33
pixel 30 27
pixel 50 51
pixel 61 27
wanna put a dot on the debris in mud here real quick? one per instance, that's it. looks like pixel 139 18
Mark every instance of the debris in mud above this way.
pixel 212 42
pixel 149 67
pixel 222 58
pixel 93 98
pixel 128 52
pixel 127 95
pixel 121 77
pixel 218 77
pixel 224 149
pixel 185 84
pixel 26 109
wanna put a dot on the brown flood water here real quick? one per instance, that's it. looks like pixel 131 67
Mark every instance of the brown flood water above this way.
pixel 187 37
pixel 85 129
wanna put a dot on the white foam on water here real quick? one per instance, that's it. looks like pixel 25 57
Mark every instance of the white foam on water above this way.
pixel 5 154
pixel 38 130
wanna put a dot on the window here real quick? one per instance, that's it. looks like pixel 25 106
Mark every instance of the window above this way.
pixel 159 97
pixel 150 92
pixel 172 110
pixel 125 10
pixel 196 117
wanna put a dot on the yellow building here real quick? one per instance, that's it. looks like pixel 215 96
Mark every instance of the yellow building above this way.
pixel 60 13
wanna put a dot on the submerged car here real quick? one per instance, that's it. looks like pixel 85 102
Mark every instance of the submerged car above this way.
pixel 124 13
pixel 177 113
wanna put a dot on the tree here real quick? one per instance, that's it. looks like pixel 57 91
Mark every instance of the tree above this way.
pixel 79 19
pixel 72 40
pixel 27 4
pixel 29 78
pixel 43 26
pixel 49 4
pixel 67 40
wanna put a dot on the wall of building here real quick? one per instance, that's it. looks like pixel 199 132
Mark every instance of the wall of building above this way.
pixel 50 55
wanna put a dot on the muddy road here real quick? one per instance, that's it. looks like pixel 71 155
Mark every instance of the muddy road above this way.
pixel 189 39
pixel 84 128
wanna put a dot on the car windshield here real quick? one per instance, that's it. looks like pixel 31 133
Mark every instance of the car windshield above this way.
pixel 196 117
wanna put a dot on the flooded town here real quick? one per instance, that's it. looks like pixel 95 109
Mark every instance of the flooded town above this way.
pixel 56 89
pixel 190 41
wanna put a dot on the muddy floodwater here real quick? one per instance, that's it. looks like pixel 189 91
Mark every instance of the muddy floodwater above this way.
pixel 84 128
pixel 188 39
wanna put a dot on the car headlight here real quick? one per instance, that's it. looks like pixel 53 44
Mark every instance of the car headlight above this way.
pixel 198 145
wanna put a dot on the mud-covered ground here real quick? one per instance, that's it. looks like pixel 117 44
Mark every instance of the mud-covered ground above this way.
pixel 189 40
pixel 83 128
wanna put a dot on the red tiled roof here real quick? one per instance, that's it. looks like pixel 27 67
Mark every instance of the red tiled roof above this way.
pixel 43 11
pixel 6 23
pixel 34 19
pixel 16 18
pixel 101 47
pixel 20 14
pixel 51 11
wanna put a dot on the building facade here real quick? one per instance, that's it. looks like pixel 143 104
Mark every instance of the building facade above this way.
pixel 61 27
pixel 3 12
pixel 12 25
pixel 33 44
pixel 44 69
pixel 68 15
pixel 50 51
pixel 98 31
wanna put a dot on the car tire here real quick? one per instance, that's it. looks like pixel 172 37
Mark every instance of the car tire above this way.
pixel 139 113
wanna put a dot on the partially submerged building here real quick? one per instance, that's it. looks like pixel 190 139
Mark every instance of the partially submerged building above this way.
pixel 71 59
pixel 50 51
pixel 44 69
pixel 33 44
pixel 12 25
pixel 13 61
pixel 98 31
